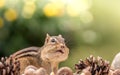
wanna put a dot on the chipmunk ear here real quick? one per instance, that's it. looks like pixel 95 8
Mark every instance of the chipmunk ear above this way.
pixel 47 35
pixel 47 38
pixel 60 35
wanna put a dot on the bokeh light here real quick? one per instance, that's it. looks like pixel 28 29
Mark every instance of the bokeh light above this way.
pixel 29 1
pixel 53 9
pixel 2 3
pixel 28 9
pixel 75 7
pixel 86 17
pixel 89 36
pixel 10 14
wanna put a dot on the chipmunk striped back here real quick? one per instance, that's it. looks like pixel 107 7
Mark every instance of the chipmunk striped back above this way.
pixel 30 51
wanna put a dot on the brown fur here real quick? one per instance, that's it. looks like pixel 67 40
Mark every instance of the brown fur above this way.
pixel 48 56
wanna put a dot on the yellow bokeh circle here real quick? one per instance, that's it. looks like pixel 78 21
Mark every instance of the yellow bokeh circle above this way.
pixel 28 10
pixel 28 1
pixel 53 9
pixel 86 17
pixel 75 7
pixel 72 11
pixel 10 15
pixel 2 3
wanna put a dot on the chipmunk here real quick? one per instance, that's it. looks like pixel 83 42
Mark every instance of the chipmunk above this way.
pixel 48 56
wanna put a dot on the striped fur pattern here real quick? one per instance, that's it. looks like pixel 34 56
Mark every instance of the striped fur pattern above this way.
pixel 27 52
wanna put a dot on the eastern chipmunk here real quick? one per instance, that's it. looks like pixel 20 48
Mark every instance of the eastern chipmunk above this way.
pixel 48 56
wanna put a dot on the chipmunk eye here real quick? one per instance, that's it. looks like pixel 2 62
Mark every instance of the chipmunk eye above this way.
pixel 53 40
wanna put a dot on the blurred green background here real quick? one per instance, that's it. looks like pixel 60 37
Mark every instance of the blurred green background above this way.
pixel 89 26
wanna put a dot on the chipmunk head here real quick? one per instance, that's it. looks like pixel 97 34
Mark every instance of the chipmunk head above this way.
pixel 55 49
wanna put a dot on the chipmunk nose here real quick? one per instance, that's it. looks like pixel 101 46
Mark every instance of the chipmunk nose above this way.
pixel 62 46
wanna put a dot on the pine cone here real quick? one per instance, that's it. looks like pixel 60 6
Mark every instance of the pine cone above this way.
pixel 116 72
pixel 9 67
pixel 94 66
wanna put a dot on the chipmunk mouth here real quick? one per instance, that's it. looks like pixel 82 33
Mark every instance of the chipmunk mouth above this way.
pixel 60 51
